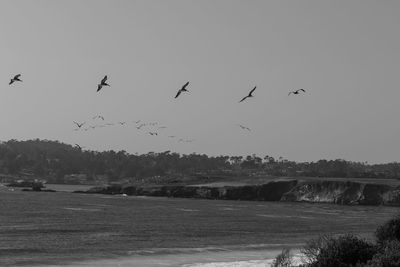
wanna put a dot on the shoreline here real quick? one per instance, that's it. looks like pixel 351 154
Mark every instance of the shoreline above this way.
pixel 237 258
pixel 291 190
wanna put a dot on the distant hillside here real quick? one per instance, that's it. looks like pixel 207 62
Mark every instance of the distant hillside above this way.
pixel 63 163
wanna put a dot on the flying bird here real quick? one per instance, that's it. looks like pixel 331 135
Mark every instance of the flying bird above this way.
pixel 296 92
pixel 183 89
pixel 79 124
pixel 102 83
pixel 153 133
pixel 15 79
pixel 98 117
pixel 249 95
pixel 244 127
pixel 140 126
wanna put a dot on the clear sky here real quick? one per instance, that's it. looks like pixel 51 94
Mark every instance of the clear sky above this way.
pixel 345 54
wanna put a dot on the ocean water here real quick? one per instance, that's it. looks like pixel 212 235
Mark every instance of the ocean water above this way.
pixel 54 229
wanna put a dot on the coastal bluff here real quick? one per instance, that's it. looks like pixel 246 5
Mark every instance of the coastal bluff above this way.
pixel 326 191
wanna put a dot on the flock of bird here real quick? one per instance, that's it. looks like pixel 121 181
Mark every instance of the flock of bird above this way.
pixel 152 128
pixel 138 123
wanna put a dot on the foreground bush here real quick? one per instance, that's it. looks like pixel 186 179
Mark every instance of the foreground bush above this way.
pixel 389 231
pixel 313 247
pixel 283 259
pixel 388 256
pixel 343 251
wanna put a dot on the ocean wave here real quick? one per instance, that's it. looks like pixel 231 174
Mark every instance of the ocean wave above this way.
pixel 297 260
pixel 189 210
pixel 252 263
pixel 228 209
pixel 81 209
pixel 160 251
pixel 284 216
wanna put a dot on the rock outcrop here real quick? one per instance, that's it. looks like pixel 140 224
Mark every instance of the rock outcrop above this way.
pixel 327 191
pixel 26 183
pixel 345 193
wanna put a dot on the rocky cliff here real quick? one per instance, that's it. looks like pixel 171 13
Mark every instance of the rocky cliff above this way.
pixel 338 192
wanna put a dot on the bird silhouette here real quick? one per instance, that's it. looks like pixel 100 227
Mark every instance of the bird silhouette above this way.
pixel 249 95
pixel 153 133
pixel 244 127
pixel 183 89
pixel 15 79
pixel 140 126
pixel 102 83
pixel 98 117
pixel 296 92
pixel 79 124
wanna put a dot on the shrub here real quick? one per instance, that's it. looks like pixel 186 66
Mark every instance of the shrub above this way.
pixel 389 231
pixel 388 256
pixel 284 259
pixel 313 247
pixel 342 251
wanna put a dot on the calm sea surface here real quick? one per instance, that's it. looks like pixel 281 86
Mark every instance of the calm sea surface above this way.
pixel 59 228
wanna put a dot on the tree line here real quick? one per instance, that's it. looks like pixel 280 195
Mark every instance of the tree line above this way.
pixel 54 160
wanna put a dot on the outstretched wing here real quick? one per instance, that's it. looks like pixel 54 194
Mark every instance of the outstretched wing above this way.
pixel 11 82
pixel 179 92
pixel 99 86
pixel 104 79
pixel 16 77
pixel 252 90
pixel 184 86
pixel 243 99
pixel 290 93
pixel 302 90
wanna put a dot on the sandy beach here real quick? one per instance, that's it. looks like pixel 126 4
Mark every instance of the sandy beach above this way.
pixel 250 258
